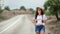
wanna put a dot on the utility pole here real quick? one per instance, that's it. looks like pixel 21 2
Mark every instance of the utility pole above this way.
pixel 1 3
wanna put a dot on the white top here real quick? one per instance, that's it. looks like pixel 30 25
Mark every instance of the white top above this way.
pixel 39 19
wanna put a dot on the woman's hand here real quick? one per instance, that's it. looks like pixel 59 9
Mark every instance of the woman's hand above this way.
pixel 44 21
pixel 34 20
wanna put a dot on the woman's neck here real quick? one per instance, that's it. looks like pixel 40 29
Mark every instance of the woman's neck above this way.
pixel 39 14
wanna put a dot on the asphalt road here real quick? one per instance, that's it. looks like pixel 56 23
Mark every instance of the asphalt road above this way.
pixel 20 24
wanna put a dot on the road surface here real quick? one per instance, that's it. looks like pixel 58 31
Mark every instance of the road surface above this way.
pixel 20 24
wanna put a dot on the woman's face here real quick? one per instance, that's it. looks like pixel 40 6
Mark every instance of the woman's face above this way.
pixel 39 11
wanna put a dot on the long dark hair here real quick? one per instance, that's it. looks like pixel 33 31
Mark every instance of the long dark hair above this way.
pixel 37 12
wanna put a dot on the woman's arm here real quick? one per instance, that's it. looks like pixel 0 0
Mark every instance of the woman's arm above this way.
pixel 44 18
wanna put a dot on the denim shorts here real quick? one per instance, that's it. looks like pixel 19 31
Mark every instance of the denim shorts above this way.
pixel 40 28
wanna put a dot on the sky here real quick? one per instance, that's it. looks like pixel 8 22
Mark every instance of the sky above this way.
pixel 16 4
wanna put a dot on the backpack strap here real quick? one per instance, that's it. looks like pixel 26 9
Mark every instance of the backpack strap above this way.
pixel 42 18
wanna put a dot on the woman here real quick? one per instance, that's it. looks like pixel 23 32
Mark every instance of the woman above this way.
pixel 40 20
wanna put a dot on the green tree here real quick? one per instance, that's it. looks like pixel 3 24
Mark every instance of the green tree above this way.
pixel 53 6
pixel 22 8
pixel 1 10
pixel 7 8
pixel 31 9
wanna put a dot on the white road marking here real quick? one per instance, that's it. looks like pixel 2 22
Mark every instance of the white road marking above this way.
pixel 11 25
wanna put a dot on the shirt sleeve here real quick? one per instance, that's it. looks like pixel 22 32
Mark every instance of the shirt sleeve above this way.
pixel 44 17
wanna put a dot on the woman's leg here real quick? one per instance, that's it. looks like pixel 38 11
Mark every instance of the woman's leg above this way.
pixel 37 32
pixel 42 32
pixel 37 29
